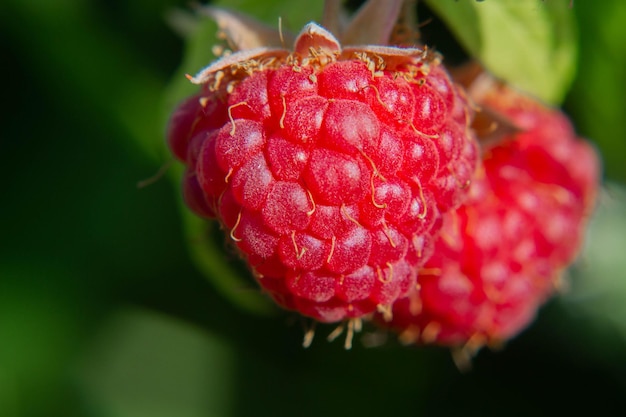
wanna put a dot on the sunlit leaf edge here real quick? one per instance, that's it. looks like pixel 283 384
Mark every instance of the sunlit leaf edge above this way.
pixel 529 43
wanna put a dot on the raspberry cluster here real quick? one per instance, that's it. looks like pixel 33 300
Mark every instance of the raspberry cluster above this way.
pixel 346 178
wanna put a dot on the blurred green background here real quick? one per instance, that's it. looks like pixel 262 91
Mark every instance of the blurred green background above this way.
pixel 103 313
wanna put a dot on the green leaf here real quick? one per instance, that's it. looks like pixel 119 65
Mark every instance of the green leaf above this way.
pixel 598 101
pixel 599 287
pixel 39 329
pixel 529 43
pixel 148 365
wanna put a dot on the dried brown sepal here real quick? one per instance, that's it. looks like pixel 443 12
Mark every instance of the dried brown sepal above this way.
pixel 490 125
pixel 334 17
pixel 243 32
pixel 315 46
pixel 373 23
pixel 389 57
pixel 238 63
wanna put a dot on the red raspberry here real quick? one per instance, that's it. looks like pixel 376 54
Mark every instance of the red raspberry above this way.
pixel 500 255
pixel 329 168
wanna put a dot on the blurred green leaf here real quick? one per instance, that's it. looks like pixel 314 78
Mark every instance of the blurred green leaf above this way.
pixel 143 364
pixel 599 288
pixel 529 43
pixel 597 101
pixel 39 332
pixel 72 47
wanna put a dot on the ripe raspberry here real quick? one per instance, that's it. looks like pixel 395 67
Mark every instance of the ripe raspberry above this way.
pixel 500 255
pixel 328 167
